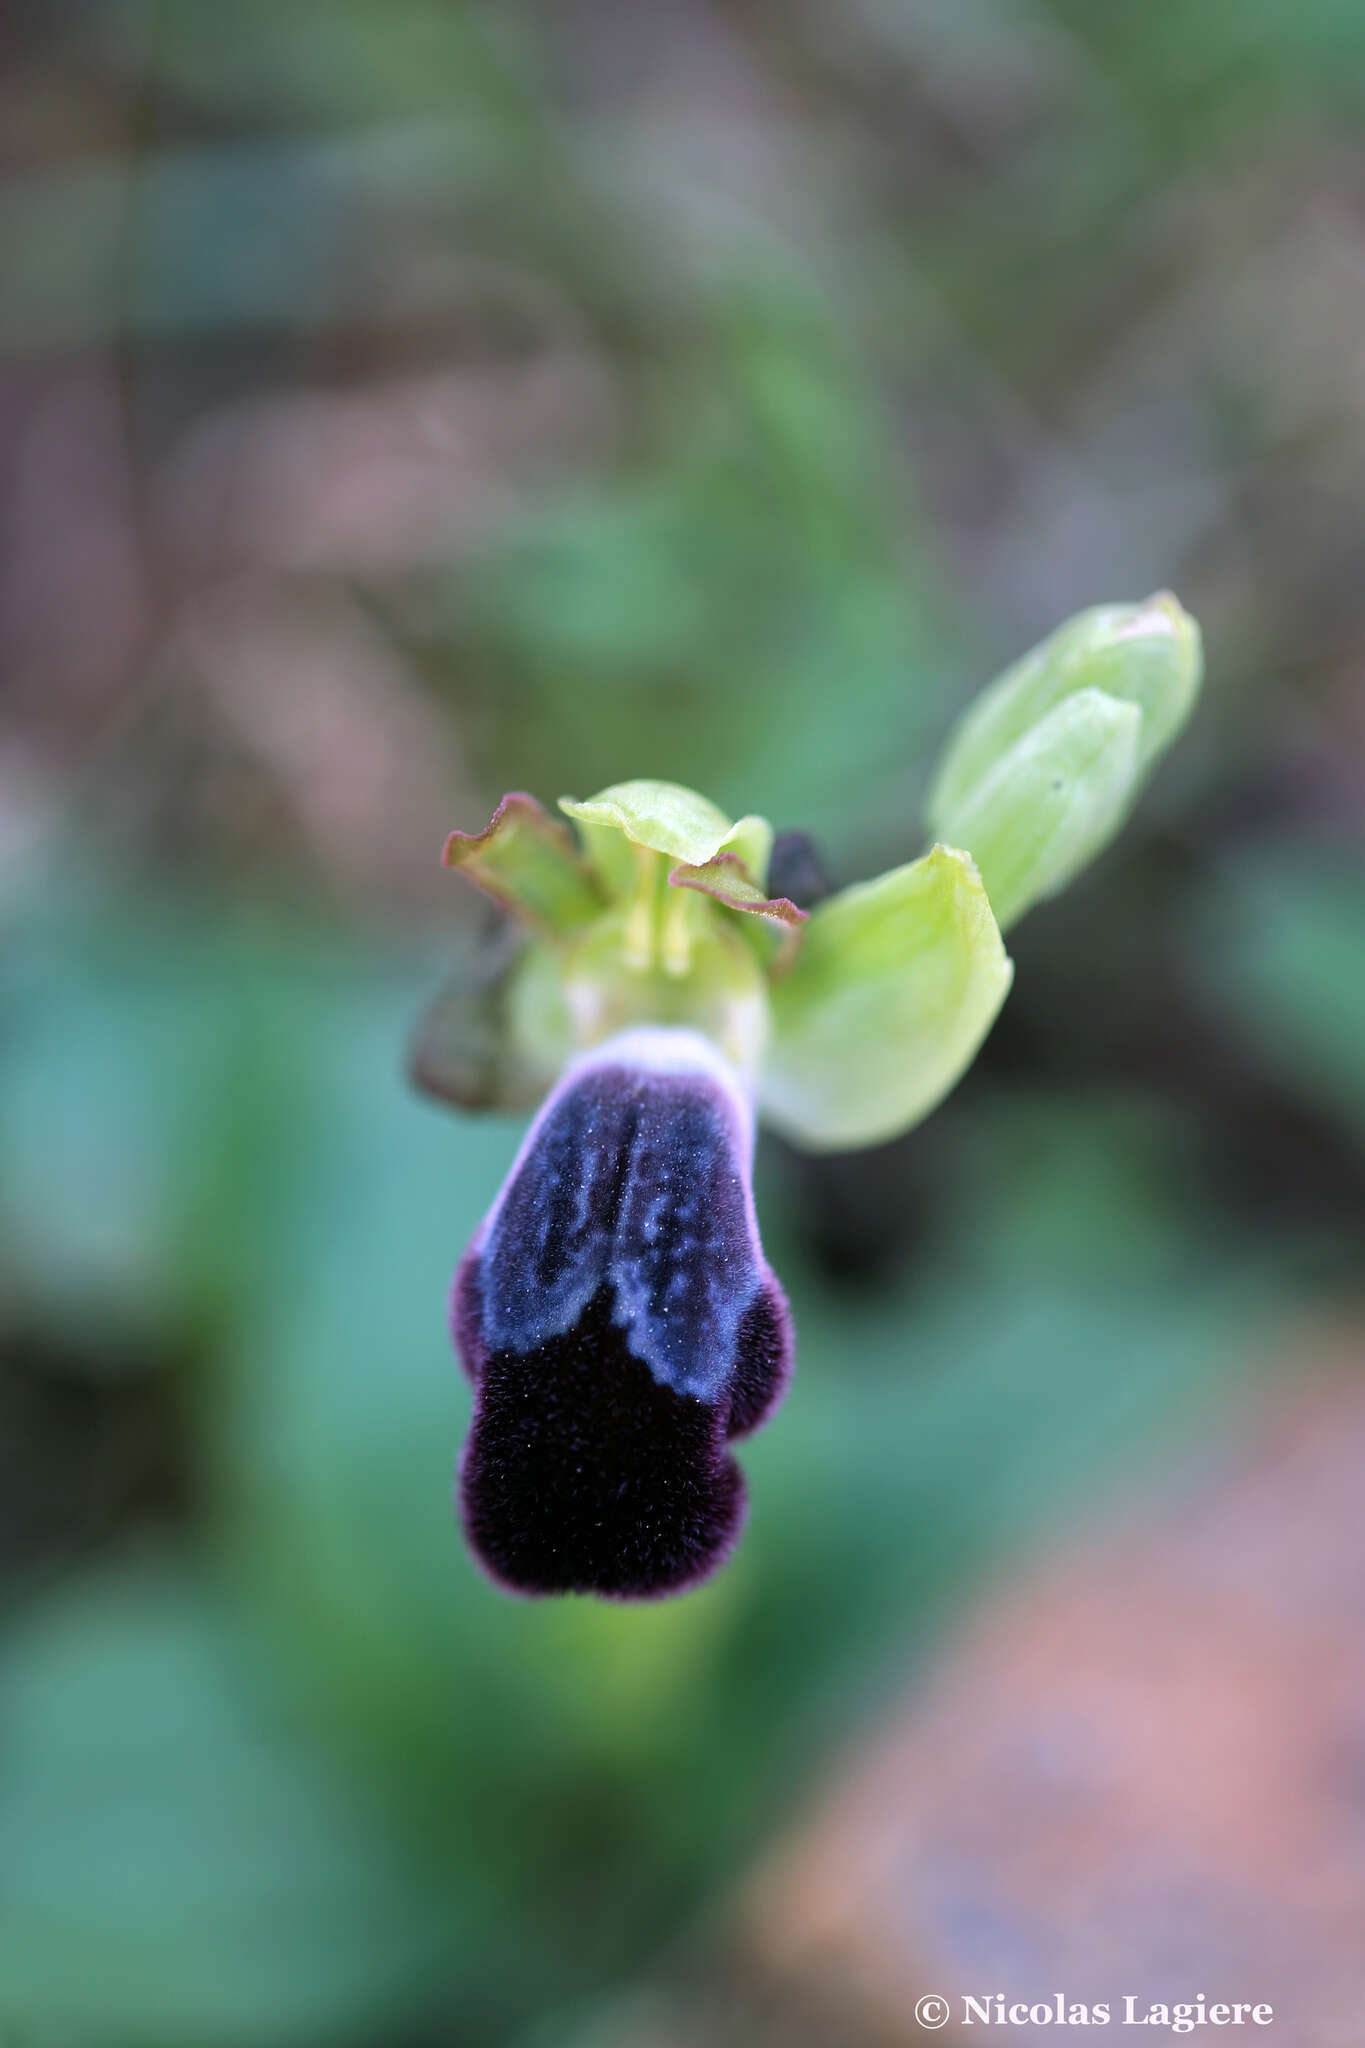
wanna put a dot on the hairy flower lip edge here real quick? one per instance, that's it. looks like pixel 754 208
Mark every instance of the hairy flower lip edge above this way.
pixel 717 1558
pixel 668 1052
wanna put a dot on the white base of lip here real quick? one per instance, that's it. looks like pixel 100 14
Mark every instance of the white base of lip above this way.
pixel 738 1031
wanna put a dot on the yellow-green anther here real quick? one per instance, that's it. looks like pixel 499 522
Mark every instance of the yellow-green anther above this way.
pixel 643 910
pixel 683 914
pixel 1046 763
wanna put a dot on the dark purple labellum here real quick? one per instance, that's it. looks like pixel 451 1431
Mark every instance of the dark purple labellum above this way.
pixel 620 1324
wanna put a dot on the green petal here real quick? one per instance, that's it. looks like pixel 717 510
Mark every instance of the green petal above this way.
pixel 527 861
pixel 1053 800
pixel 896 985
pixel 750 839
pixel 728 881
pixel 667 818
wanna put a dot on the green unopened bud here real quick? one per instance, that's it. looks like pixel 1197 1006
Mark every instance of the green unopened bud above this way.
pixel 1045 765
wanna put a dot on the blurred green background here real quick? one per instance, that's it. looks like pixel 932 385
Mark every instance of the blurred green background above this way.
pixel 403 400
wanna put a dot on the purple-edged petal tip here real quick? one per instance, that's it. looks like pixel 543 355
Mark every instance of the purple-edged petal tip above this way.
pixel 620 1325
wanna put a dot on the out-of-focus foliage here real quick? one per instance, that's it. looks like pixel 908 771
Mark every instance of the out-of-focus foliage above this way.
pixel 1288 940
pixel 401 402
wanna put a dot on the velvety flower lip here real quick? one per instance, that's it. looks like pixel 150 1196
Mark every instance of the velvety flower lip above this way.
pixel 620 1325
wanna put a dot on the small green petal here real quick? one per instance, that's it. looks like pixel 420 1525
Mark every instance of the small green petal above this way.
pixel 896 985
pixel 750 839
pixel 727 880
pixel 1053 800
pixel 527 861
pixel 1017 747
pixel 669 819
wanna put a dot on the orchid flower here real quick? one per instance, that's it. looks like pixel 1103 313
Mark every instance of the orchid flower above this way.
pixel 654 989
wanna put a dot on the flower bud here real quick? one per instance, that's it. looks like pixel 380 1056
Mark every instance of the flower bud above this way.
pixel 1044 767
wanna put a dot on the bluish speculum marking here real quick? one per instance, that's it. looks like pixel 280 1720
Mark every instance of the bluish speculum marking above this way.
pixel 634 1182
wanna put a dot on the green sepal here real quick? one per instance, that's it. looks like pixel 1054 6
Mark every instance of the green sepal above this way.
pixel 896 984
pixel 526 860
pixel 498 1033
pixel 666 818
